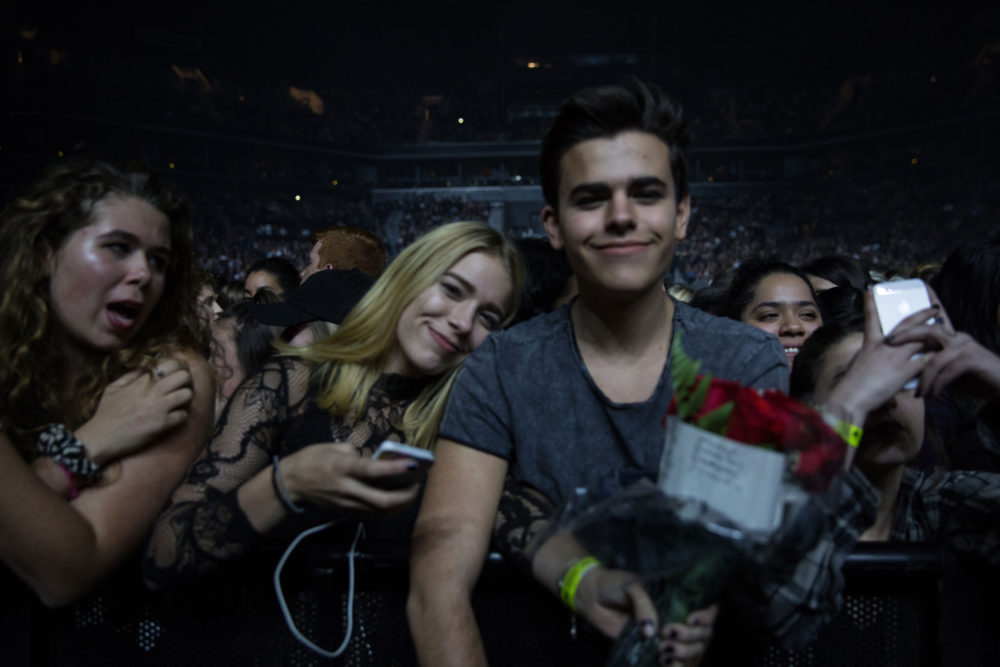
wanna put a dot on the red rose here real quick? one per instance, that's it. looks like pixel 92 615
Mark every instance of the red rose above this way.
pixel 799 422
pixel 754 420
pixel 770 419
pixel 720 392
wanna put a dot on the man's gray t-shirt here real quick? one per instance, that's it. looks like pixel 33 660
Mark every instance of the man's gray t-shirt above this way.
pixel 525 395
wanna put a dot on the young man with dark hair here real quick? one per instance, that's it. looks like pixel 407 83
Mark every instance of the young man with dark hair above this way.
pixel 562 399
pixel 600 113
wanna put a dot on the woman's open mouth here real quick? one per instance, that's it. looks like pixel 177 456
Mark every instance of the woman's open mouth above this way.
pixel 122 314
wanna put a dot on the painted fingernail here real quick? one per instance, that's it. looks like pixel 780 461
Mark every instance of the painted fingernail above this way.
pixel 672 634
pixel 668 649
pixel 888 338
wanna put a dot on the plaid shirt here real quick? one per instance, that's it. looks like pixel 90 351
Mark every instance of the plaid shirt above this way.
pixel 803 592
pixel 959 508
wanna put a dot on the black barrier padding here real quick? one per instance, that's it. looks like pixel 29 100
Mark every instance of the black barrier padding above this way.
pixel 903 606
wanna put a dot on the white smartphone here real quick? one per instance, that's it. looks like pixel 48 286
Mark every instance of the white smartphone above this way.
pixel 897 300
pixel 423 458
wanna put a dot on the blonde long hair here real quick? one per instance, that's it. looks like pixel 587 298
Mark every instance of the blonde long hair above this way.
pixel 353 357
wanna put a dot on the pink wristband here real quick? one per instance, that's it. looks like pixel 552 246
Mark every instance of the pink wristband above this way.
pixel 73 493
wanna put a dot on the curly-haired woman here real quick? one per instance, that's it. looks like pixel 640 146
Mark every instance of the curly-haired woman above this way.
pixel 107 398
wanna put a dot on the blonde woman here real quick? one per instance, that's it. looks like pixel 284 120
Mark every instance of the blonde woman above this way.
pixel 298 436
pixel 106 399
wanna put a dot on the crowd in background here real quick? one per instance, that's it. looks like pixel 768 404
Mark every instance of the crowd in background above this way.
pixel 887 223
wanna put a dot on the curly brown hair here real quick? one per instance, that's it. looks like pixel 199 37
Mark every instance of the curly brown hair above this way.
pixel 32 228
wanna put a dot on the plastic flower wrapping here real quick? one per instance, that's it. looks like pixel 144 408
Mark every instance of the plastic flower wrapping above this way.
pixel 740 492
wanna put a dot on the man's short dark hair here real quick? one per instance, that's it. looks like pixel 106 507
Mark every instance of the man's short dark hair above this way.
pixel 603 112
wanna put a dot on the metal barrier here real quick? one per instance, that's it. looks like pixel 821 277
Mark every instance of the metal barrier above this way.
pixel 904 605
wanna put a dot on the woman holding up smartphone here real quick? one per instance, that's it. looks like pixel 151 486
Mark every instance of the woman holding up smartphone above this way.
pixel 859 375
pixel 298 435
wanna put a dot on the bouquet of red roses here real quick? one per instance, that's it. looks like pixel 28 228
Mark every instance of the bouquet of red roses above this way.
pixel 739 479
pixel 767 419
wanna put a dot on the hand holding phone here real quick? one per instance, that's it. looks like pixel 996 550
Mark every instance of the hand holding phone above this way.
pixel 897 300
pixel 421 458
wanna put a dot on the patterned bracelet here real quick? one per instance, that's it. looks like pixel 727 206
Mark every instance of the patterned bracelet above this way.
pixel 59 444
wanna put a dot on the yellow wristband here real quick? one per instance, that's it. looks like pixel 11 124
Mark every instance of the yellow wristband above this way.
pixel 848 432
pixel 571 580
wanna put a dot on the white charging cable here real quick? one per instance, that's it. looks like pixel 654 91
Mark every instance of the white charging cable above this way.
pixel 350 590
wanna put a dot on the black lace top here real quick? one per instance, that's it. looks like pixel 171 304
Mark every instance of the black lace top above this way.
pixel 274 412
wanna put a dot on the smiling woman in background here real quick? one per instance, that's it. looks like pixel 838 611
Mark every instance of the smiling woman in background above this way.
pixel 777 298
pixel 297 436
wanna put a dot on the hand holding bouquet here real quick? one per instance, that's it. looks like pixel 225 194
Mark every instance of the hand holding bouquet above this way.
pixel 739 468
